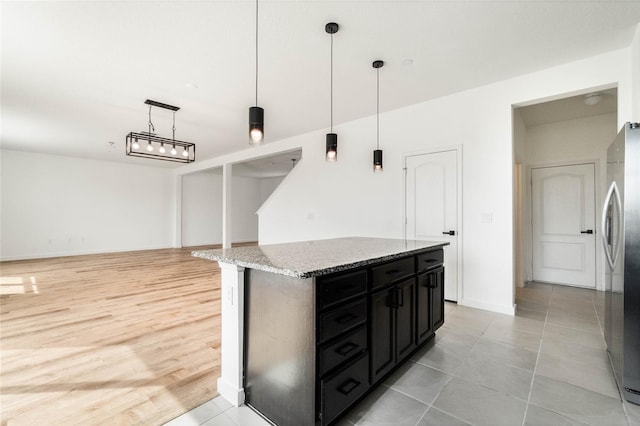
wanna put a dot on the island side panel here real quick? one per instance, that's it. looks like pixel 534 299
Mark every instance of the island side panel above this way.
pixel 229 384
pixel 280 347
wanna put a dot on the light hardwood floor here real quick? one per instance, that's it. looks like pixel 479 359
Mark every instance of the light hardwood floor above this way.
pixel 121 338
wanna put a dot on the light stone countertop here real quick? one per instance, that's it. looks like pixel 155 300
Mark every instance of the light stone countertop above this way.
pixel 315 258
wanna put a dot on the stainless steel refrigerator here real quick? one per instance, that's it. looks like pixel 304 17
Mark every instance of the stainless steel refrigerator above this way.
pixel 621 241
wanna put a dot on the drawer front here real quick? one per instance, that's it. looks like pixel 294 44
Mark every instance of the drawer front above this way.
pixel 343 388
pixel 430 260
pixel 336 288
pixel 338 320
pixel 338 352
pixel 392 271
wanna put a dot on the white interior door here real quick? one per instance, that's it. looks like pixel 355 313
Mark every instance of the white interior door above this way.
pixel 432 207
pixel 563 224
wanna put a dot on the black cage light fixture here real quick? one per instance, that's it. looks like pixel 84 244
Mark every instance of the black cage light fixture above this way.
pixel 150 145
pixel 256 114
pixel 377 153
pixel 332 138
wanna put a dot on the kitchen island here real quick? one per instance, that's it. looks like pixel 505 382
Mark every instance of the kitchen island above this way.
pixel 310 327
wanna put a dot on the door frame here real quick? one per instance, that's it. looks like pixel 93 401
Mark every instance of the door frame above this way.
pixel 528 210
pixel 435 150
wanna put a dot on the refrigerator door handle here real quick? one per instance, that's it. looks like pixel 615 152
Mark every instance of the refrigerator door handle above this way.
pixel 615 246
pixel 610 251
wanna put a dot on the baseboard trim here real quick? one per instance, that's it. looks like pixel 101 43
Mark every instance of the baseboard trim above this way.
pixel 79 253
pixel 229 392
pixel 501 309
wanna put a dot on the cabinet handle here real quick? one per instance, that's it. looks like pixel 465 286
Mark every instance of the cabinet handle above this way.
pixel 433 283
pixel 345 318
pixel 449 233
pixel 588 231
pixel 393 297
pixel 397 296
pixel 347 387
pixel 346 348
pixel 393 272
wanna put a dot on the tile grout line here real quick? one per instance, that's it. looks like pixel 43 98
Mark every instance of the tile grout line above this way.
pixel 423 414
pixel 535 368
pixel 451 377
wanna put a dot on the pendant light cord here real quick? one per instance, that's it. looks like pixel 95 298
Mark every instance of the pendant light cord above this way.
pixel 331 79
pixel 378 108
pixel 150 123
pixel 256 52
pixel 174 126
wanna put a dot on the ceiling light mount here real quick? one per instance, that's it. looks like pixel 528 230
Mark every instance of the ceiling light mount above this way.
pixel 161 105
pixel 133 139
pixel 331 28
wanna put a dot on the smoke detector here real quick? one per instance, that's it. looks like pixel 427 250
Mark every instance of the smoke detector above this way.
pixel 592 99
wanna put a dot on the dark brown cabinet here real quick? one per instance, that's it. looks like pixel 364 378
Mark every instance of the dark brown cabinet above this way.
pixel 393 320
pixel 405 319
pixel 320 344
pixel 437 297
pixel 342 343
pixel 382 333
pixel 430 303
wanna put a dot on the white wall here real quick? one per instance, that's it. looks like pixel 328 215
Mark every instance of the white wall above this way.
pixel 60 206
pixel 574 140
pixel 201 209
pixel 519 191
pixel 328 200
pixel 635 72
pixel 585 139
pixel 245 202
pixel 267 186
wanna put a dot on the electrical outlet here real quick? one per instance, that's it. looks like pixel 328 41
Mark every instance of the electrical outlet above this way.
pixel 486 218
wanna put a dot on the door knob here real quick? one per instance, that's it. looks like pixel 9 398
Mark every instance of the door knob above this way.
pixel 588 231
pixel 449 233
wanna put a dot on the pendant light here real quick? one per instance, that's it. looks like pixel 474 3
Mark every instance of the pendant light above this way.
pixel 332 138
pixel 156 146
pixel 377 153
pixel 256 114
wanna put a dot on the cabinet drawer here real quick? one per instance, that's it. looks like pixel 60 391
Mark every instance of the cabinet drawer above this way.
pixel 392 271
pixel 345 348
pixel 430 260
pixel 343 388
pixel 340 319
pixel 336 288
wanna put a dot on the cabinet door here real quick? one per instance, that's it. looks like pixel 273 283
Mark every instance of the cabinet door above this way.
pixel 437 297
pixel 405 318
pixel 382 333
pixel 423 307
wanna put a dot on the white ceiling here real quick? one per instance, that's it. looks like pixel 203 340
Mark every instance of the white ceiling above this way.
pixel 569 108
pixel 278 165
pixel 75 74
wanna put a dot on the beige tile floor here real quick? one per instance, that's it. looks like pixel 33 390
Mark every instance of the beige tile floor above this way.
pixel 546 366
